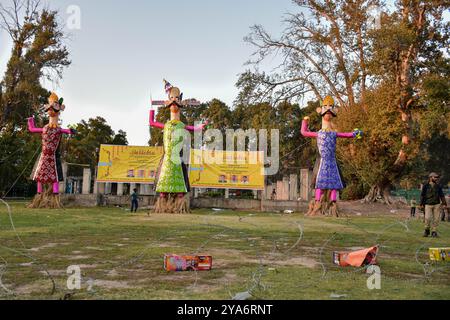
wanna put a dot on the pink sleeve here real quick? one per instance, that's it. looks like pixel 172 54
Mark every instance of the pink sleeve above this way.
pixel 345 135
pixel 197 128
pixel 305 131
pixel 153 123
pixel 66 131
pixel 32 128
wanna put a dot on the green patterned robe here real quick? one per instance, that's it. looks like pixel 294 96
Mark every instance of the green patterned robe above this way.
pixel 172 178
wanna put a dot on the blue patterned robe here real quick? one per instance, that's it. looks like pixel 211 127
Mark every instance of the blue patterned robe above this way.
pixel 328 176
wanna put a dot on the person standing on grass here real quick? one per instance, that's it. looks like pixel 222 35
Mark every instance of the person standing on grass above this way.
pixel 274 195
pixel 134 200
pixel 431 198
pixel 413 207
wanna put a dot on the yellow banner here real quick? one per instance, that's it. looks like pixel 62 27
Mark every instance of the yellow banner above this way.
pixel 227 169
pixel 128 164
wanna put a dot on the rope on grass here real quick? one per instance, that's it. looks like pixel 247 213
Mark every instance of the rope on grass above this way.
pixel 3 268
pixel 41 266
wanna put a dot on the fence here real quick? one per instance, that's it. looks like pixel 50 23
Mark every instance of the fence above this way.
pixel 407 194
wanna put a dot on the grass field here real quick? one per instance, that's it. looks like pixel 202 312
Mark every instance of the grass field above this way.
pixel 274 256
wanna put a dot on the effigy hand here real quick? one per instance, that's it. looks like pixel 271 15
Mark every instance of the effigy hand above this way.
pixel 204 124
pixel 358 134
pixel 31 126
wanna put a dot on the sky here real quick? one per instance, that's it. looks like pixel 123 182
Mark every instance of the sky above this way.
pixel 124 49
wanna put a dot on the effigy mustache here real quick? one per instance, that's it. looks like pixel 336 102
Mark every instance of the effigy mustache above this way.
pixel 53 109
pixel 56 107
pixel 330 112
pixel 174 103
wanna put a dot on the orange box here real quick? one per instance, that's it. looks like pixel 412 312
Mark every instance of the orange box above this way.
pixel 173 262
pixel 357 258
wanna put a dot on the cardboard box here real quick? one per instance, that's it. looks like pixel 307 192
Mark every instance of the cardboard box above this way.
pixel 204 263
pixel 439 254
pixel 357 258
pixel 173 262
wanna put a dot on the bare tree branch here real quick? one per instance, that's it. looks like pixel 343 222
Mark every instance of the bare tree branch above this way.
pixel 325 44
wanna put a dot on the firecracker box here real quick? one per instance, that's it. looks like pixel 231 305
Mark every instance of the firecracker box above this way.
pixel 173 262
pixel 204 263
pixel 439 254
pixel 357 258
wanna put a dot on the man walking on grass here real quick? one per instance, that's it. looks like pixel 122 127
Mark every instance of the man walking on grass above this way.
pixel 134 200
pixel 431 198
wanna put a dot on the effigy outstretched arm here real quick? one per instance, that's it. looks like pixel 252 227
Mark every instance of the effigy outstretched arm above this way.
pixel 32 128
pixel 69 131
pixel 154 123
pixel 355 134
pixel 197 128
pixel 305 131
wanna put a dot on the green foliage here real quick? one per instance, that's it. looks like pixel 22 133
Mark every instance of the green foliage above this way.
pixel 218 114
pixel 367 162
pixel 433 114
pixel 19 151
pixel 83 148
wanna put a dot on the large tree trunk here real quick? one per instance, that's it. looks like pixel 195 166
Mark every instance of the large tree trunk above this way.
pixel 413 15
pixel 380 192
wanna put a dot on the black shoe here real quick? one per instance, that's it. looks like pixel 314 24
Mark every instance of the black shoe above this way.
pixel 426 233
pixel 434 234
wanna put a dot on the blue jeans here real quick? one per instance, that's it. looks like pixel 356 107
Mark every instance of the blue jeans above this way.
pixel 134 205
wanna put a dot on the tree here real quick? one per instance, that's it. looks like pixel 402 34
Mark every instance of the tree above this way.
pixel 434 116
pixel 19 151
pixel 38 52
pixel 384 131
pixel 323 50
pixel 332 47
pixel 218 114
pixel 120 139
pixel 367 163
pixel 411 40
pixel 83 148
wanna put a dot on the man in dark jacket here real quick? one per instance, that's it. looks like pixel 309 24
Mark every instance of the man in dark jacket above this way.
pixel 431 198
pixel 134 200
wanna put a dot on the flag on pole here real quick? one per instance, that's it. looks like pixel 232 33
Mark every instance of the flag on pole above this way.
pixel 167 86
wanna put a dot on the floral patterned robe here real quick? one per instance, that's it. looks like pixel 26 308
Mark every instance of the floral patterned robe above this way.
pixel 49 168
pixel 172 177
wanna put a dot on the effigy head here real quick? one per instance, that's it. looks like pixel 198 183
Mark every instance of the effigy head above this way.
pixel 175 97
pixel 55 105
pixel 328 107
